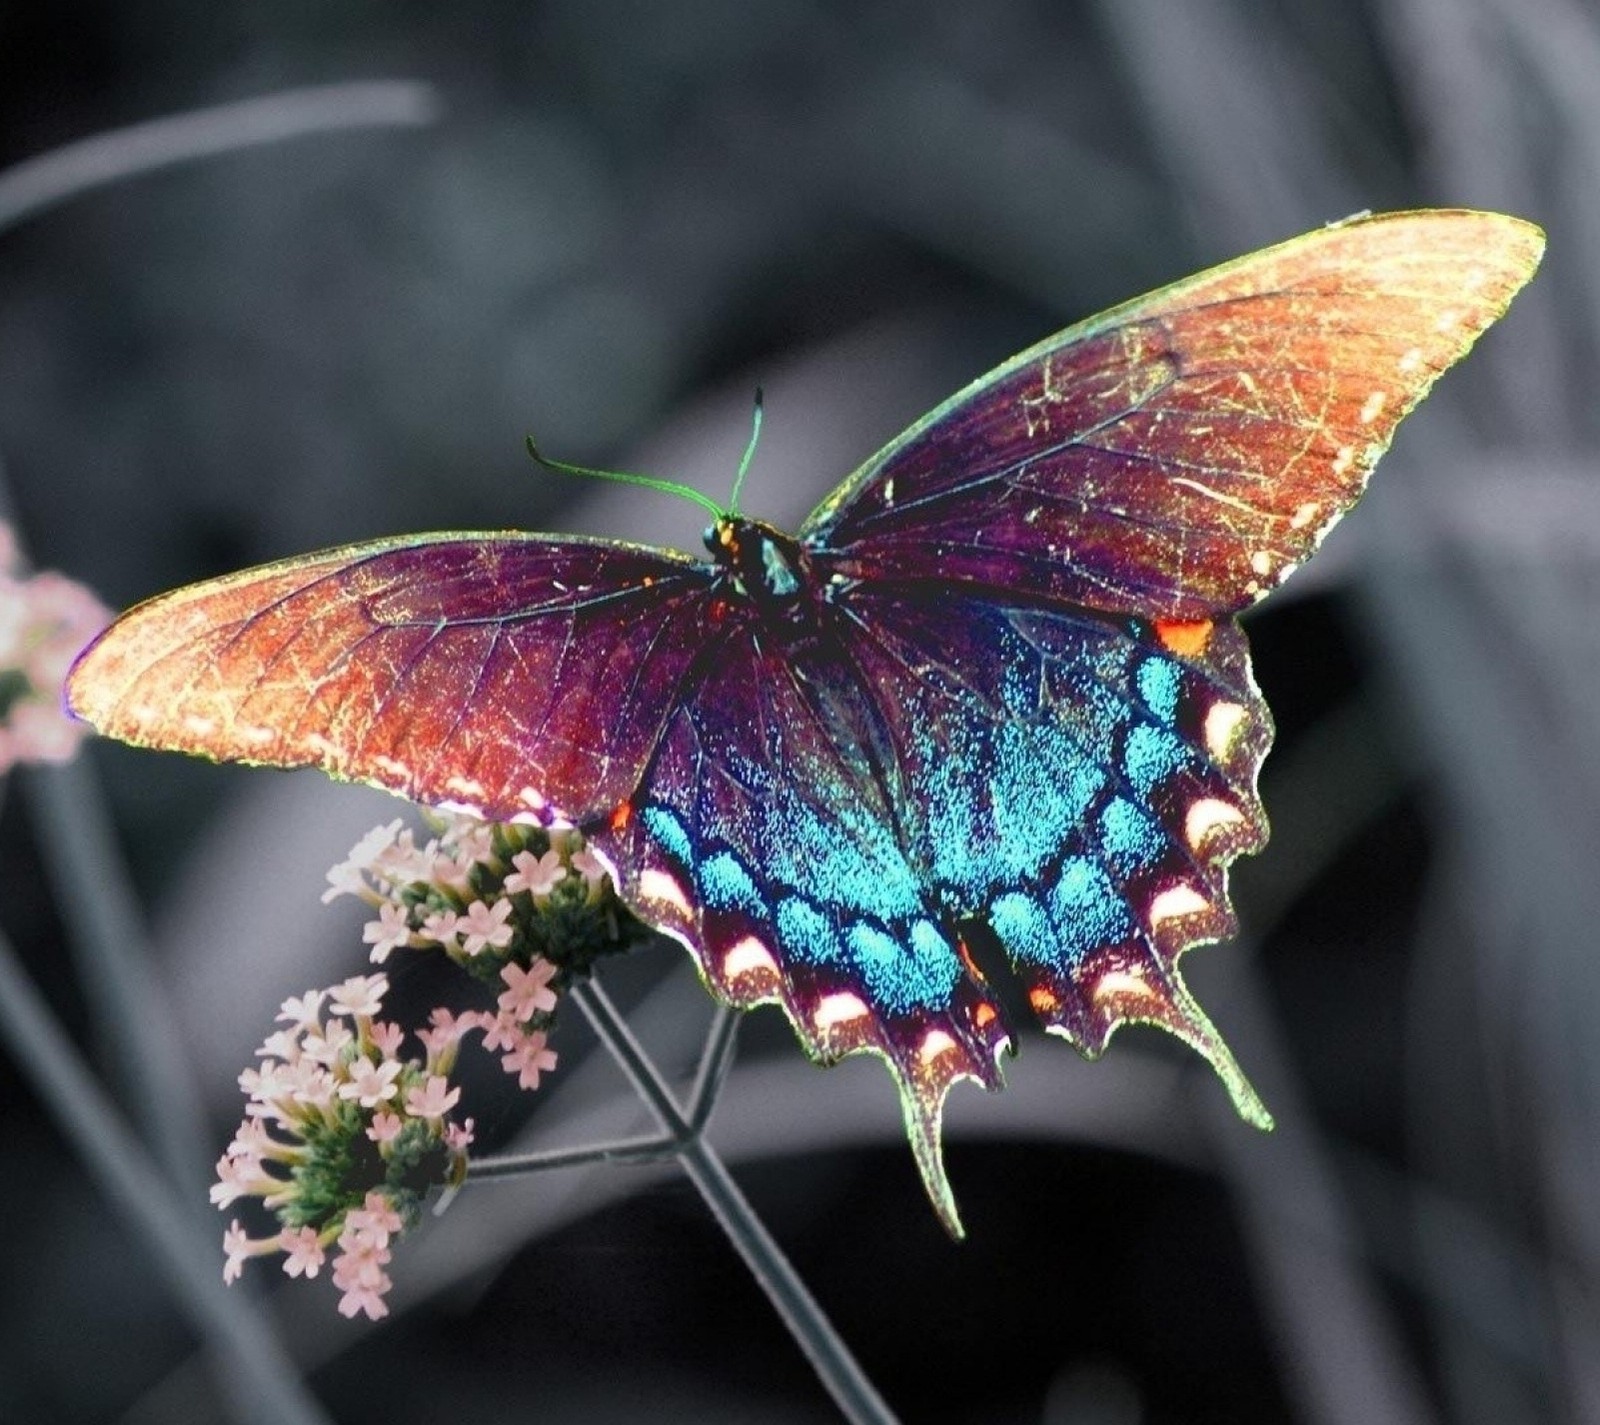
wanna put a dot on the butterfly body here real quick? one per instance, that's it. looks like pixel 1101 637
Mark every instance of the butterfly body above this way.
pixel 994 684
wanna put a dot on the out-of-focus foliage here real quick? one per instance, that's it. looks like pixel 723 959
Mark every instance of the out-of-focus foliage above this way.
pixel 626 216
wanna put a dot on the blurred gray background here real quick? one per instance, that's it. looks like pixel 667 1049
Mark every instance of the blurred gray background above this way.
pixel 620 218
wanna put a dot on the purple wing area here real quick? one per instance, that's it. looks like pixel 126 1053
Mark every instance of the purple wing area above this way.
pixel 514 676
pixel 1179 456
pixel 767 836
pixel 1079 785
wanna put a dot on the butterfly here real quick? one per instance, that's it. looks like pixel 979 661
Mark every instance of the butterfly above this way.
pixel 996 679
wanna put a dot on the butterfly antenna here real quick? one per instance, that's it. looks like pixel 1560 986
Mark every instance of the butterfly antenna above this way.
pixel 624 477
pixel 749 454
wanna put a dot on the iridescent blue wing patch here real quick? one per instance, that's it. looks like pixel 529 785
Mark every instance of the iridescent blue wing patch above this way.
pixel 1080 782
pixel 768 835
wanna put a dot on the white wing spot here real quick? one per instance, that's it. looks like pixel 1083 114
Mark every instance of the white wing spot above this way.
pixel 1373 406
pixel 1411 360
pixel 1208 815
pixel 935 1043
pixel 1308 511
pixel 838 1009
pixel 1222 722
pixel 1261 562
pixel 1343 458
pixel 1122 982
pixel 1176 903
pixel 199 726
pixel 659 886
pixel 748 956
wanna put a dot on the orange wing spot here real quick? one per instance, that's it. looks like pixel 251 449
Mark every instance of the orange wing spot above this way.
pixel 1043 1001
pixel 1189 639
pixel 622 816
pixel 968 961
pixel 983 1016
pixel 935 1043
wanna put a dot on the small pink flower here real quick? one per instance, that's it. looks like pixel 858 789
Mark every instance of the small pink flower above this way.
pixel 325 1048
pixel 360 1297
pixel 529 1060
pixel 388 932
pixel 451 873
pixel 251 1139
pixel 302 1013
pixel 538 875
pixel 458 1136
pixel 528 990
pixel 41 732
pixel 346 880
pixel 359 995
pixel 443 927
pixel 376 1215
pixel 370 1084
pixel 387 1038
pixel 316 1089
pixel 504 1031
pixel 472 839
pixel 485 927
pixel 239 1249
pixel 385 1126
pixel 374 845
pixel 587 865
pixel 239 1175
pixel 304 1252
pixel 402 863
pixel 433 1101
pixel 281 1044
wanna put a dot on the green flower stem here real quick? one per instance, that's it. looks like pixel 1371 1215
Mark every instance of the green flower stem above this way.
pixel 838 1370
pixel 263 1385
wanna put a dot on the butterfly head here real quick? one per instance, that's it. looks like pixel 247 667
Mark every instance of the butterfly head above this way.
pixel 764 564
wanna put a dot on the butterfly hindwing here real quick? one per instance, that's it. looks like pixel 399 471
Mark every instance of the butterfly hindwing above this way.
pixel 510 675
pixel 1179 456
pixel 764 835
pixel 1080 785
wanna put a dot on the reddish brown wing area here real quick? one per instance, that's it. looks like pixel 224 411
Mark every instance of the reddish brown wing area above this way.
pixel 509 675
pixel 1179 456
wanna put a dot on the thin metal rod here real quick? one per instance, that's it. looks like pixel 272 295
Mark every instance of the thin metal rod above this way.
pixel 627 1150
pixel 836 1367
pixel 715 1060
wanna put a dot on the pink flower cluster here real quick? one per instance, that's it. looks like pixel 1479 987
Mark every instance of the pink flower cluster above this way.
pixel 328 1079
pixel 340 1127
pixel 44 620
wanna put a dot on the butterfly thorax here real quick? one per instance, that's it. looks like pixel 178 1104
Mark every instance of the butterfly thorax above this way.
pixel 765 565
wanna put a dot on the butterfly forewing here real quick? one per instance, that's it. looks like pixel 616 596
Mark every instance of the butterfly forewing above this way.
pixel 1179 456
pixel 512 675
